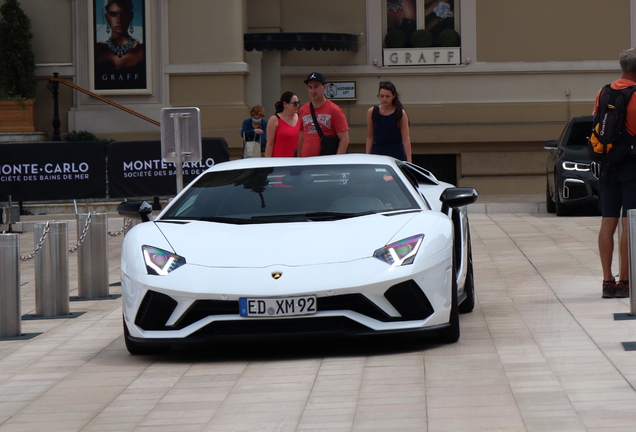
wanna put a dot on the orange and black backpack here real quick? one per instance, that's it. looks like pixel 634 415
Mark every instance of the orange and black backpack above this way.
pixel 610 143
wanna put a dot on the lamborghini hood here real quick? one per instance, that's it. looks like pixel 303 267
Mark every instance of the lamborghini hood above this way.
pixel 295 243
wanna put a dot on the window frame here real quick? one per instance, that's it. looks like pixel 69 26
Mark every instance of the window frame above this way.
pixel 376 25
pixel 420 20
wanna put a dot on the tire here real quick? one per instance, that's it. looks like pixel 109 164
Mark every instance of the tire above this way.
pixel 550 205
pixel 469 285
pixel 136 348
pixel 450 334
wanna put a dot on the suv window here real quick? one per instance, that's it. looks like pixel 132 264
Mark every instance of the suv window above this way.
pixel 579 134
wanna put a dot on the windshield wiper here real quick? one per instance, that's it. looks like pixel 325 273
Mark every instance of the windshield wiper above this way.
pixel 312 216
pixel 326 215
pixel 280 218
pixel 221 219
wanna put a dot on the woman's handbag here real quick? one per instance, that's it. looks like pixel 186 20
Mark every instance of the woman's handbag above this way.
pixel 328 144
pixel 251 149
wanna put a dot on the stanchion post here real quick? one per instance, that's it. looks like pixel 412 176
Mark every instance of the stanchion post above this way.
pixel 10 324
pixel 631 230
pixel 56 123
pixel 92 256
pixel 51 271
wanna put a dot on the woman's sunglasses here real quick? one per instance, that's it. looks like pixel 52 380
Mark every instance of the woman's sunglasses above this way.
pixel 297 103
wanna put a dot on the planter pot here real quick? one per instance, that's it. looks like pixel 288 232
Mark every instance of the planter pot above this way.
pixel 17 116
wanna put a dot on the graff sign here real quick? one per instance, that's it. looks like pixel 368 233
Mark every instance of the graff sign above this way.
pixel 421 56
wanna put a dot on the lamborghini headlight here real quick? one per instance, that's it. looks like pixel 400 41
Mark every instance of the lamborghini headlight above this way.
pixel 160 262
pixel 401 252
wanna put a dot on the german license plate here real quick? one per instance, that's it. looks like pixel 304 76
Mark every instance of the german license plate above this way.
pixel 276 307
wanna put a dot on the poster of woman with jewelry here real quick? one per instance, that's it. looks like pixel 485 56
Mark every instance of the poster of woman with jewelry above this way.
pixel 119 54
pixel 401 14
pixel 432 15
pixel 440 15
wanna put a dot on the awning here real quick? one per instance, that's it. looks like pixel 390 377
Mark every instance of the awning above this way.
pixel 300 41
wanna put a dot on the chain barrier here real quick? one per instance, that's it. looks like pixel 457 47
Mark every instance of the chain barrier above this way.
pixel 37 246
pixel 121 231
pixel 82 236
pixel 81 239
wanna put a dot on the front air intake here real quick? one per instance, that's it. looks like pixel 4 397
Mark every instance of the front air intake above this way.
pixel 409 300
pixel 154 311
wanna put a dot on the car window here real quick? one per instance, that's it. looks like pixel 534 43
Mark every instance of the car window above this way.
pixel 419 178
pixel 579 134
pixel 297 190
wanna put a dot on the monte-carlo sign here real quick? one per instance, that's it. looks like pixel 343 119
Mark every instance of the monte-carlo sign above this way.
pixel 421 56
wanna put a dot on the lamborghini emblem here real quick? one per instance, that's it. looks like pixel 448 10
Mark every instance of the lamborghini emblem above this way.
pixel 277 275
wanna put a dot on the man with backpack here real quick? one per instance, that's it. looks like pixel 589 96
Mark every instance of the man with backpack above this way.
pixel 615 116
pixel 323 125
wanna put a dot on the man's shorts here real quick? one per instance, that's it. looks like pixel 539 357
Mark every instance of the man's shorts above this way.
pixel 617 189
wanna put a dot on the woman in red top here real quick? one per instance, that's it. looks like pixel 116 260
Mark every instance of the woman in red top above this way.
pixel 282 130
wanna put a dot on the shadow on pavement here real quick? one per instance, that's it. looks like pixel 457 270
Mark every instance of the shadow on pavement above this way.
pixel 271 350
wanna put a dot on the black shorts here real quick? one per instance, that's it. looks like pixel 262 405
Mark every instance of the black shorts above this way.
pixel 617 189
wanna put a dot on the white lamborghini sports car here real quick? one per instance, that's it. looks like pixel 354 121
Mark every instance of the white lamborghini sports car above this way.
pixel 342 245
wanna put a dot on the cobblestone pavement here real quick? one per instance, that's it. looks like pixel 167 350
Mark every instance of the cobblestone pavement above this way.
pixel 541 352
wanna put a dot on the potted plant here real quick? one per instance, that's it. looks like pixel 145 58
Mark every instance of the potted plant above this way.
pixel 17 70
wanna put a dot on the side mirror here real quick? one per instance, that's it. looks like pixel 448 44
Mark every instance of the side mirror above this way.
pixel 550 145
pixel 139 210
pixel 457 197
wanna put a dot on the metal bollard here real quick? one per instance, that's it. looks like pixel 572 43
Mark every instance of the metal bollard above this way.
pixel 631 231
pixel 92 257
pixel 51 271
pixel 10 324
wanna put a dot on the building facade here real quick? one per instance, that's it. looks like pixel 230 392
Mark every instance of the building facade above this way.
pixel 479 109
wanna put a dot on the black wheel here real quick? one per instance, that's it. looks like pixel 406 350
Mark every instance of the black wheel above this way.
pixel 469 284
pixel 135 348
pixel 550 205
pixel 450 334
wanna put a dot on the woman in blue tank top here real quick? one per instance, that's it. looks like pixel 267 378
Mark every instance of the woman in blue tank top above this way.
pixel 388 126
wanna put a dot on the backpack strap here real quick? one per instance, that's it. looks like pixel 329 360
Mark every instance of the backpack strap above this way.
pixel 627 92
pixel 316 124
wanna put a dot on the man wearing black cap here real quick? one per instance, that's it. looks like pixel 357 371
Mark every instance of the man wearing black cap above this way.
pixel 329 115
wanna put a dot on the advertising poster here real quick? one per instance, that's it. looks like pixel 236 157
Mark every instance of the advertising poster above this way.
pixel 136 169
pixel 119 47
pixel 52 171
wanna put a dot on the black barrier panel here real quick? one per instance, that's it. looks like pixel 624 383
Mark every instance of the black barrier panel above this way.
pixel 45 171
pixel 135 168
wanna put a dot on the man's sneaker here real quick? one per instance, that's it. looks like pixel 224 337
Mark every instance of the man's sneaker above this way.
pixel 622 289
pixel 609 289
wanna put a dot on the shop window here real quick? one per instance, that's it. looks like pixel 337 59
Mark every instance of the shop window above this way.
pixel 418 27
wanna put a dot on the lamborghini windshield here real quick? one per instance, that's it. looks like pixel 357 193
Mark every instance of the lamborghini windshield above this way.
pixel 292 193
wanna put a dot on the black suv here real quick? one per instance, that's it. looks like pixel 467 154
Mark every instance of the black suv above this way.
pixel 570 185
